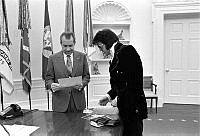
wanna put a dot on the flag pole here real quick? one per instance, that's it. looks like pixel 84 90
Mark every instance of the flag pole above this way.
pixel 47 47
pixel 87 104
pixel 48 99
pixel 1 93
pixel 29 95
pixel 87 38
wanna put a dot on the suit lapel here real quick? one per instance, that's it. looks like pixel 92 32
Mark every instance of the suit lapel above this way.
pixel 115 60
pixel 76 61
pixel 60 60
pixel 61 63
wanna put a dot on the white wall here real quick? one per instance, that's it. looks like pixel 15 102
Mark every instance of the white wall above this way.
pixel 141 38
pixel 57 16
pixel 141 33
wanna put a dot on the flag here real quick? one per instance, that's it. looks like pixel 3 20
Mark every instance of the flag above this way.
pixel 69 16
pixel 87 26
pixel 5 62
pixel 47 41
pixel 24 26
pixel 87 34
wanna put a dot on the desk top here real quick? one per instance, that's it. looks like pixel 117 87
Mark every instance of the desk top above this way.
pixel 61 124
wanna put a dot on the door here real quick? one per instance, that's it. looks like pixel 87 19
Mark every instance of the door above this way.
pixel 182 59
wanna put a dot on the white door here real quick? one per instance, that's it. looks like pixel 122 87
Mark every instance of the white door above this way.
pixel 182 60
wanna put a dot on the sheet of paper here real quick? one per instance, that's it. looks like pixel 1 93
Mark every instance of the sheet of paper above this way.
pixel 18 130
pixel 91 116
pixel 69 82
pixel 105 110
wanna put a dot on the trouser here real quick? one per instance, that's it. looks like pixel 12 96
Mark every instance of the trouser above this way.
pixel 132 124
pixel 132 128
pixel 72 106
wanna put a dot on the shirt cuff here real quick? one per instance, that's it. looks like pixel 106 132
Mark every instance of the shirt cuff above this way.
pixel 108 96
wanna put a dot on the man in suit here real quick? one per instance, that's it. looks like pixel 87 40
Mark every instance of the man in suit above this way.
pixel 65 64
pixel 126 80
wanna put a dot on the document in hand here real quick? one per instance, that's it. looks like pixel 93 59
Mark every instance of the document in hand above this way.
pixel 69 82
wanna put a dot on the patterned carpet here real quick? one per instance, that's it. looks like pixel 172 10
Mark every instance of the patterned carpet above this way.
pixel 173 120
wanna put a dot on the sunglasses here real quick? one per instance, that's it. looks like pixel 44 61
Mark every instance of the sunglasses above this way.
pixel 100 46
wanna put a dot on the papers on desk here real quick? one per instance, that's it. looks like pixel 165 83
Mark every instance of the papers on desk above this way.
pixel 102 120
pixel 103 116
pixel 69 82
pixel 91 116
pixel 17 130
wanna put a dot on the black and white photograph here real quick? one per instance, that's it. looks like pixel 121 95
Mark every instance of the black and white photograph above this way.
pixel 100 67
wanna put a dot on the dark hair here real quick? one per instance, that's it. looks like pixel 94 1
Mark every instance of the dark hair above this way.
pixel 67 35
pixel 107 37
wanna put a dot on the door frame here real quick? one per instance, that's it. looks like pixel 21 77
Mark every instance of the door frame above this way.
pixel 159 11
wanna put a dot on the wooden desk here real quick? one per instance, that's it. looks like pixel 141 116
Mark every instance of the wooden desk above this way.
pixel 61 124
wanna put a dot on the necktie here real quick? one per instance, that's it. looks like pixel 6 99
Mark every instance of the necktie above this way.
pixel 69 63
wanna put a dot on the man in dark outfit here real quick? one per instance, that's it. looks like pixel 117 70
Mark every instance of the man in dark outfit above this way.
pixel 126 80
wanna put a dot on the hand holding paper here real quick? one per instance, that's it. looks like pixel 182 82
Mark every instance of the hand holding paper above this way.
pixel 55 87
pixel 79 87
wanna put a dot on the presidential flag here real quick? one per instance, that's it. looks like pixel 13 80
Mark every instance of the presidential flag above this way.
pixel 87 26
pixel 5 62
pixel 69 16
pixel 47 41
pixel 24 26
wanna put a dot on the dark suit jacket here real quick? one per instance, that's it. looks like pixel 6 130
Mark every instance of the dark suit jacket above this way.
pixel 56 69
pixel 126 79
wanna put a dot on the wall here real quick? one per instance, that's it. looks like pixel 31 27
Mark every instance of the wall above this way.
pixel 57 16
pixel 141 32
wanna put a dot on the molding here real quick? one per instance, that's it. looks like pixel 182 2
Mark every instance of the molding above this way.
pixel 110 11
pixel 40 104
pixel 119 23
pixel 175 3
pixel 36 83
pixel 99 60
pixel 38 95
pixel 98 87
pixel 99 77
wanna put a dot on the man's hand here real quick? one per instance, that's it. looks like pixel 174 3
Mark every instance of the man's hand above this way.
pixel 55 87
pixel 103 101
pixel 78 87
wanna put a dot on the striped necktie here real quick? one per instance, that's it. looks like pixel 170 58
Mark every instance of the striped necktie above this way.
pixel 69 63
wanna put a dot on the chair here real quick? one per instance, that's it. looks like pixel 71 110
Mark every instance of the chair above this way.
pixel 150 90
